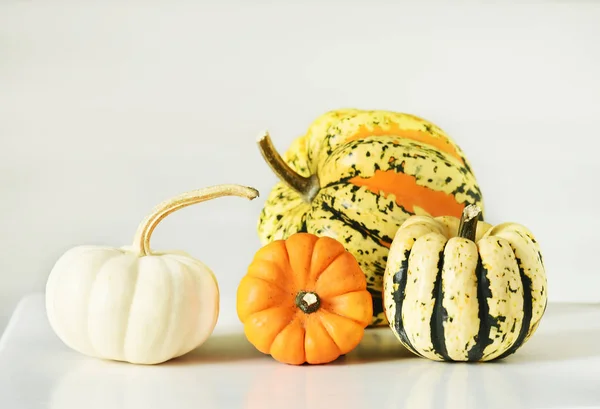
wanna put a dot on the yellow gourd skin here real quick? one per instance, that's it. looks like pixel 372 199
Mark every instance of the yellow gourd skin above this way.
pixel 362 174
pixel 456 296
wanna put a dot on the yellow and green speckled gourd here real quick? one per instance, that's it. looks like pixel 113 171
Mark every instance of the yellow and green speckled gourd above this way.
pixel 463 289
pixel 356 175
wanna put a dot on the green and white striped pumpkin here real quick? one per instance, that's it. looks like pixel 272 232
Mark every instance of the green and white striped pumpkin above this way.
pixel 463 290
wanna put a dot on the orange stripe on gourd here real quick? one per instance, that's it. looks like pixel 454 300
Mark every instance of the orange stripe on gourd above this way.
pixel 409 194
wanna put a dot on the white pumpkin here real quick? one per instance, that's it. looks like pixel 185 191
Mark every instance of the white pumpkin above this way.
pixel 133 304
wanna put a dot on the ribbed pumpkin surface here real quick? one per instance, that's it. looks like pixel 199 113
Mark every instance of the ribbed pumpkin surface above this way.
pixel 449 298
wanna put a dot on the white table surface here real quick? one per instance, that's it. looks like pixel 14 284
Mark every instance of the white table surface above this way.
pixel 558 368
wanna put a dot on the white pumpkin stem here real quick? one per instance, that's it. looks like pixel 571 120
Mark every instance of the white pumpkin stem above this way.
pixel 307 187
pixel 141 242
pixel 467 227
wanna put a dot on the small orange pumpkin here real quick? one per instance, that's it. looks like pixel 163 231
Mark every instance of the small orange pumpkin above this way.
pixel 304 300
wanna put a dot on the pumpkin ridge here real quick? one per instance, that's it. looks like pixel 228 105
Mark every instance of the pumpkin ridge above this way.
pixel 400 279
pixel 271 282
pixel 438 336
pixel 300 278
pixel 258 256
pixel 325 306
pixel 503 316
pixel 313 279
pixel 170 267
pixel 345 305
pixel 282 306
pixel 89 301
pixel 358 326
pixel 331 297
pixel 532 266
pixel 187 270
pixel 169 273
pixel 278 298
pixel 286 266
pixel 527 310
pixel 482 340
pixel 286 329
pixel 327 331
pixel 318 283
pixel 133 293
pixel 290 318
pixel 319 322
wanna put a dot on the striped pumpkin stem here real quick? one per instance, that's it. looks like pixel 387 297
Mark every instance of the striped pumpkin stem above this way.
pixel 141 241
pixel 467 228
pixel 306 187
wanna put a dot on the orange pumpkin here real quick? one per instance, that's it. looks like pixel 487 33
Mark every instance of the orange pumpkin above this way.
pixel 304 300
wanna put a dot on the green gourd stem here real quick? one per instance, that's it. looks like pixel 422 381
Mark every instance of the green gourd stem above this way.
pixel 467 227
pixel 308 301
pixel 306 187
pixel 141 242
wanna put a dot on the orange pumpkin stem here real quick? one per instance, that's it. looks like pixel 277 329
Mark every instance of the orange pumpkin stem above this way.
pixel 308 302
pixel 468 222
pixel 307 187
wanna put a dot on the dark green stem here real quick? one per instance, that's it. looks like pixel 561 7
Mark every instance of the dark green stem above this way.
pixel 468 222
pixel 307 188
pixel 308 301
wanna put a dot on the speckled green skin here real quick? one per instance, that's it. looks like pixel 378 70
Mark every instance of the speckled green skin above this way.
pixel 345 145
pixel 448 298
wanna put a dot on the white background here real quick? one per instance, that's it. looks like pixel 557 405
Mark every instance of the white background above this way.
pixel 107 108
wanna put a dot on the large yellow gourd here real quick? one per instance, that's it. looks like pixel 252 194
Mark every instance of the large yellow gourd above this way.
pixel 356 176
